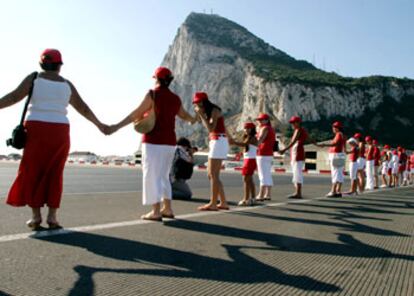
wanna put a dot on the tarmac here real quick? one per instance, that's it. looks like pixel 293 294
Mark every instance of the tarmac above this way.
pixel 316 246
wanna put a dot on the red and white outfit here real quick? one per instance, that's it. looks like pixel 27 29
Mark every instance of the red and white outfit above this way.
pixel 39 180
pixel 337 173
pixel 369 169
pixel 158 148
pixel 265 156
pixel 297 156
pixel 412 163
pixel 249 161
pixel 218 144
pixel 377 158
pixel 353 164
pixel 385 162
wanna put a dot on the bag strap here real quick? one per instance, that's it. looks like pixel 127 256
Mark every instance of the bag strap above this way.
pixel 29 96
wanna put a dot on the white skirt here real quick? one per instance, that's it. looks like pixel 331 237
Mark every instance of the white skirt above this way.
pixel 353 169
pixel 219 148
pixel 297 170
pixel 156 165
pixel 264 170
pixel 384 169
pixel 361 163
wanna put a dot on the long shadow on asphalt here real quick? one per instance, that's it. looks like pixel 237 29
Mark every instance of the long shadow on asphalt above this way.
pixel 347 226
pixel 243 269
pixel 405 205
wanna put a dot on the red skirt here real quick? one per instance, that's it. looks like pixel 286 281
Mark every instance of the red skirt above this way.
pixel 249 166
pixel 39 180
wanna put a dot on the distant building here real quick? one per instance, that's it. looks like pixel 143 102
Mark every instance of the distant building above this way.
pixel 79 156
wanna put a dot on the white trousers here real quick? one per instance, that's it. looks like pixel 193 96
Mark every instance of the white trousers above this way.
pixel 337 174
pixel 264 169
pixel 156 165
pixel 297 170
pixel 369 170
pixel 353 169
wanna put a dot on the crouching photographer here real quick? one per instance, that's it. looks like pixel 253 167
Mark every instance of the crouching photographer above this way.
pixel 182 169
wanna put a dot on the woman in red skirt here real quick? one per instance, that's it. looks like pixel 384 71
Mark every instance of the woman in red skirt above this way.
pixel 39 180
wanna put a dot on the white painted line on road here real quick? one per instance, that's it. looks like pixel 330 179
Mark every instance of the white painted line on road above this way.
pixel 90 228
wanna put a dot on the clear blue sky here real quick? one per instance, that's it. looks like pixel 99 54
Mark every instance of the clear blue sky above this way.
pixel 110 48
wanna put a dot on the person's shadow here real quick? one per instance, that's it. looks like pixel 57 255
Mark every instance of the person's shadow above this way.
pixel 167 262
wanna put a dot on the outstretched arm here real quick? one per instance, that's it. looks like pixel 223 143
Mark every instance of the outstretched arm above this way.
pixel 83 109
pixel 294 139
pixel 184 115
pixel 18 94
pixel 135 115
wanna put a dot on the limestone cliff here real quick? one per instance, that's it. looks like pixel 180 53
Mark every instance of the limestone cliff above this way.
pixel 245 76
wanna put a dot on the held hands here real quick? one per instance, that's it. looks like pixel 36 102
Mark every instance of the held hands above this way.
pixel 107 129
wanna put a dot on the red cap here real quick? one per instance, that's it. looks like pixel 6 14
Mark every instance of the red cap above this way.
pixel 262 116
pixel 358 136
pixel 51 56
pixel 387 146
pixel 162 73
pixel 294 119
pixel 249 125
pixel 368 139
pixel 199 97
pixel 375 142
pixel 337 124
pixel 399 148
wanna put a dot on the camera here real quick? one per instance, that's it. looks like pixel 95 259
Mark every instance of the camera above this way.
pixel 9 142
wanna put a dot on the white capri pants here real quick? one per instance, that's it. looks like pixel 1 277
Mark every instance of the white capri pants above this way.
pixel 369 170
pixel 337 173
pixel 219 148
pixel 297 170
pixel 353 169
pixel 264 169
pixel 156 166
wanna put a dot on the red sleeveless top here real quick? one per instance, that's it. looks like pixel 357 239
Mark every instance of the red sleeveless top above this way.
pixel 353 156
pixel 362 150
pixel 266 148
pixel 370 153
pixel 339 142
pixel 220 128
pixel 299 146
pixel 167 105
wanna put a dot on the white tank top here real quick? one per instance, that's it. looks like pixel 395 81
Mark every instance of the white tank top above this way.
pixel 251 154
pixel 49 101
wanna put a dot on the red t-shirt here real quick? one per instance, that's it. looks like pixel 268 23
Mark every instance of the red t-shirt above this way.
pixel 266 148
pixel 377 155
pixel 412 161
pixel 339 142
pixel 362 150
pixel 167 105
pixel 370 153
pixel 353 156
pixel 300 149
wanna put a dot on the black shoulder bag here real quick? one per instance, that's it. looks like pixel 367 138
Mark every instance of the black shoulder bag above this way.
pixel 19 134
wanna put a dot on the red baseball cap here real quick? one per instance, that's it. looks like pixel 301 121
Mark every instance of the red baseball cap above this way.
pixel 399 148
pixel 51 56
pixel 162 73
pixel 375 142
pixel 337 124
pixel 358 136
pixel 249 125
pixel 387 146
pixel 368 139
pixel 294 119
pixel 262 116
pixel 199 97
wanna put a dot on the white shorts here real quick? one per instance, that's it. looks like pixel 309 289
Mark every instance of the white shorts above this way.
pixel 337 174
pixel 412 171
pixel 264 170
pixel 361 163
pixel 219 148
pixel 353 169
pixel 156 166
pixel 297 170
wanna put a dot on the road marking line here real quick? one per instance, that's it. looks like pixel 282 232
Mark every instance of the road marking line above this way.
pixel 90 228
